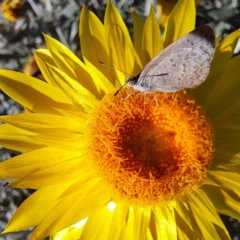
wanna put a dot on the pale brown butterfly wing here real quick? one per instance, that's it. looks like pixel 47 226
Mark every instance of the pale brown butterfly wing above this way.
pixel 183 64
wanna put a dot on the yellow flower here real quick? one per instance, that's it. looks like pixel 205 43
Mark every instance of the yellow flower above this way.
pixel 165 8
pixel 13 9
pixel 126 166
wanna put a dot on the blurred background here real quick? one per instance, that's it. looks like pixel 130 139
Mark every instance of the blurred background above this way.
pixel 21 26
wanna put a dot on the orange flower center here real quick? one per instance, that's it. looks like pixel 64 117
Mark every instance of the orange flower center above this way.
pixel 150 148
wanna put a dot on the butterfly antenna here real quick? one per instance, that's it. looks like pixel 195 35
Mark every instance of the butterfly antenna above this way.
pixel 111 67
pixel 119 89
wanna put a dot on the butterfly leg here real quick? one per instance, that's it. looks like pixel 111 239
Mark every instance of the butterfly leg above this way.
pixel 154 95
pixel 130 94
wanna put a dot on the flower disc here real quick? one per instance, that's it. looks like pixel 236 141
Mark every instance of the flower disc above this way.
pixel 150 148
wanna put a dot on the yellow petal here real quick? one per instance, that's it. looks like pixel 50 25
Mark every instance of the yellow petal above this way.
pixel 75 115
pixel 151 41
pixel 205 205
pixel 184 231
pixel 102 83
pixel 181 21
pixel 226 152
pixel 224 52
pixel 121 50
pixel 116 231
pixel 138 222
pixel 204 224
pixel 93 41
pixel 165 223
pixel 67 171
pixel 226 202
pixel 233 167
pixel 227 180
pixel 92 197
pixel 26 216
pixel 183 211
pixel 36 95
pixel 225 136
pixel 22 165
pixel 88 178
pixel 223 113
pixel 17 139
pixel 64 140
pixel 72 232
pixel 79 95
pixel 68 62
pixel 43 57
pixel 137 34
pixel 39 122
pixel 165 7
pixel 100 221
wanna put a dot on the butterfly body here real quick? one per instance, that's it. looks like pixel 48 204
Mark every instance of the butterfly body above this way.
pixel 183 64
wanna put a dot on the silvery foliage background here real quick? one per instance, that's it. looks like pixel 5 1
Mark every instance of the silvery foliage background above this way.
pixel 60 19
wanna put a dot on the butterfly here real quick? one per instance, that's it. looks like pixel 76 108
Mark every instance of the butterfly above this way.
pixel 183 64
